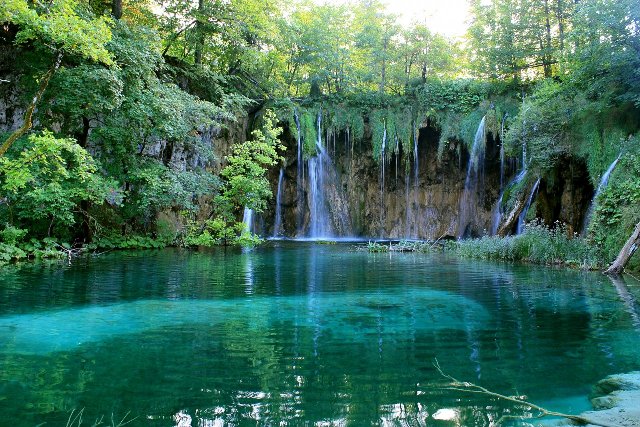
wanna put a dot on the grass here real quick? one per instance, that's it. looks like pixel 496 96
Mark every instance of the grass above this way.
pixel 402 246
pixel 538 244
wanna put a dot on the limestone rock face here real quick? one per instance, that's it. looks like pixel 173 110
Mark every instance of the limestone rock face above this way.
pixel 404 203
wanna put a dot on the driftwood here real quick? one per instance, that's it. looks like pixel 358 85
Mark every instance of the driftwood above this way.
pixel 625 254
pixel 468 387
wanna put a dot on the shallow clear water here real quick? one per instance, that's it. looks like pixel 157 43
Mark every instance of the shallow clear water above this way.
pixel 301 333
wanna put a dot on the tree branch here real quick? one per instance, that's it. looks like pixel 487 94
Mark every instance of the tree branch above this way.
pixel 28 115
pixel 468 387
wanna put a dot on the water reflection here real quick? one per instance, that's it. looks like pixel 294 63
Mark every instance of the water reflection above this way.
pixel 313 334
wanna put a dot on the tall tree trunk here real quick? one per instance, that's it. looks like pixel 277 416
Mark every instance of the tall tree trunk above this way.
pixel 200 34
pixel 560 16
pixel 626 253
pixel 28 115
pixel 547 53
pixel 116 9
pixel 510 221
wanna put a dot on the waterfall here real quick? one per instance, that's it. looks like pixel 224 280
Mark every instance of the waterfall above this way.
pixel 396 150
pixel 605 178
pixel 247 219
pixel 277 227
pixel 601 186
pixel 300 177
pixel 416 165
pixel 523 214
pixel 382 162
pixel 496 216
pixel 502 151
pixel 319 216
pixel 407 227
pixel 468 200
pixel 319 222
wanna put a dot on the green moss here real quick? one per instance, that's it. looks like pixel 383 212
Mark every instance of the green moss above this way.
pixel 308 129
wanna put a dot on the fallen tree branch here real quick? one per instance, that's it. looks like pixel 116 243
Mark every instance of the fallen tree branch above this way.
pixel 71 252
pixel 468 387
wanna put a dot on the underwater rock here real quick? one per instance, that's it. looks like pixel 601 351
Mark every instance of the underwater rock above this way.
pixel 616 401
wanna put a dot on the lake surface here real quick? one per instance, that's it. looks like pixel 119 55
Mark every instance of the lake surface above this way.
pixel 303 334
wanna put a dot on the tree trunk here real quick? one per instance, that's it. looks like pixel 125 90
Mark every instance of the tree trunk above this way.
pixel 547 54
pixel 626 253
pixel 28 115
pixel 560 16
pixel 512 219
pixel 200 34
pixel 116 9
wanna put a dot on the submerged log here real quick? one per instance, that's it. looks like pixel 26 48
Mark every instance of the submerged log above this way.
pixel 625 254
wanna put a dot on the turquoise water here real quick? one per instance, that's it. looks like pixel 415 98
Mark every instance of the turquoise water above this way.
pixel 303 334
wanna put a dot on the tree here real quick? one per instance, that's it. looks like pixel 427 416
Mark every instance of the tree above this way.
pixel 49 178
pixel 59 29
pixel 375 36
pixel 116 9
pixel 520 39
pixel 606 62
pixel 245 181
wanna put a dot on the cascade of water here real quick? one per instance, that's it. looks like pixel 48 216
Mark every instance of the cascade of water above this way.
pixel 523 214
pixel 247 219
pixel 277 227
pixel 605 178
pixel 468 200
pixel 416 166
pixel 319 217
pixel 601 186
pixel 382 163
pixel 300 176
pixel 397 155
pixel 502 150
pixel 496 216
pixel 407 223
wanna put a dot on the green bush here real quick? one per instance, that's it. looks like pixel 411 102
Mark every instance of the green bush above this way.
pixel 14 248
pixel 12 235
pixel 115 241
